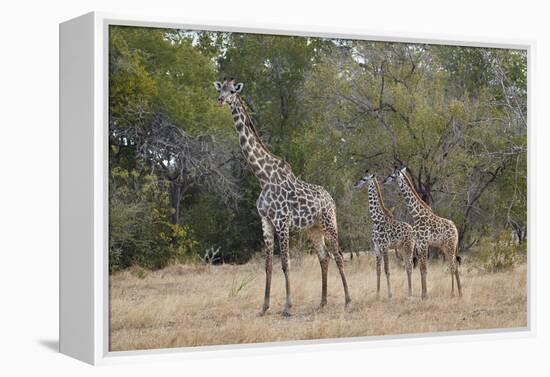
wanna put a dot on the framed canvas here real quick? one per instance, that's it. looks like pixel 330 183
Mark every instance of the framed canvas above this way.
pixel 241 189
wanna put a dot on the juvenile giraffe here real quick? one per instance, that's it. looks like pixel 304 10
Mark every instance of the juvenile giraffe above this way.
pixel 387 233
pixel 286 203
pixel 429 230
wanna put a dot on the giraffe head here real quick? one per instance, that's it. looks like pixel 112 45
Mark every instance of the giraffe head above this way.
pixel 397 174
pixel 367 178
pixel 227 90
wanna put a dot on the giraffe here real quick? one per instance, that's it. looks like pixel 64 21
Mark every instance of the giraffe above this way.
pixel 387 233
pixel 429 230
pixel 286 203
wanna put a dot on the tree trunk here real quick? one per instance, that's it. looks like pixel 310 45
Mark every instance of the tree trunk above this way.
pixel 174 190
pixel 462 231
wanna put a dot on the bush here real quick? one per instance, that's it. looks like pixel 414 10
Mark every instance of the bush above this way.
pixel 500 253
pixel 183 244
pixel 139 230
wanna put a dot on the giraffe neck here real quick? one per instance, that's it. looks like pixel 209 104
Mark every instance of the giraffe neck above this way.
pixel 417 208
pixel 378 212
pixel 265 165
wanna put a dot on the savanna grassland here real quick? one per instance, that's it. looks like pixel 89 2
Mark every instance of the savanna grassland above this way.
pixel 184 231
pixel 196 305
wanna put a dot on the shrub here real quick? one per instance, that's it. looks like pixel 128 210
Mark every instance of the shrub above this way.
pixel 140 232
pixel 500 253
pixel 183 244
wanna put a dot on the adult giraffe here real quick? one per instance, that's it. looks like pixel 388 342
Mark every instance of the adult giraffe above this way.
pixel 286 203
pixel 429 230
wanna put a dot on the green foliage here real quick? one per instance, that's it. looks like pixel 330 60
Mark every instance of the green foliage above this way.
pixel 182 243
pixel 139 230
pixel 500 253
pixel 155 71
pixel 131 87
pixel 161 69
pixel 273 69
pixel 455 116
pixel 438 110
pixel 234 228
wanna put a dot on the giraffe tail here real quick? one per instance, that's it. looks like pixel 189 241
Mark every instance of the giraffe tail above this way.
pixel 458 259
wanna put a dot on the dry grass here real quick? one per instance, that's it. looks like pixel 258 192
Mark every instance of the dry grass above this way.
pixel 205 305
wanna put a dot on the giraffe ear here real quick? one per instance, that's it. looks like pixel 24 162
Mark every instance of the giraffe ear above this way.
pixel 403 169
pixel 238 87
pixel 218 85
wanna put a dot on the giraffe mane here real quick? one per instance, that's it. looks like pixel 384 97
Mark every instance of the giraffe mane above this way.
pixel 415 193
pixel 250 123
pixel 380 200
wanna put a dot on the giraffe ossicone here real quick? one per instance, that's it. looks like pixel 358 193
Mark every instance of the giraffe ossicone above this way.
pixel 286 203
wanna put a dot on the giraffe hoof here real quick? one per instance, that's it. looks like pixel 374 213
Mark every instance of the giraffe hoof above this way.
pixel 285 313
pixel 322 304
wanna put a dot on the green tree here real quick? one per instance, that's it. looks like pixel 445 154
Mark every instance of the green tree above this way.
pixel 414 105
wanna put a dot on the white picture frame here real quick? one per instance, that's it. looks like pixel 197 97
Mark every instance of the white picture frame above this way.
pixel 84 192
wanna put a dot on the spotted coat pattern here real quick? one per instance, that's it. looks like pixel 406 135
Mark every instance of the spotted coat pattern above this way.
pixel 387 233
pixel 286 203
pixel 429 230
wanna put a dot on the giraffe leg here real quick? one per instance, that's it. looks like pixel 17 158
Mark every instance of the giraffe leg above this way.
pixel 458 283
pixel 268 240
pixel 387 272
pixel 378 272
pixel 332 242
pixel 454 272
pixel 319 245
pixel 324 272
pixel 423 250
pixel 408 265
pixel 283 235
pixel 452 283
pixel 453 269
